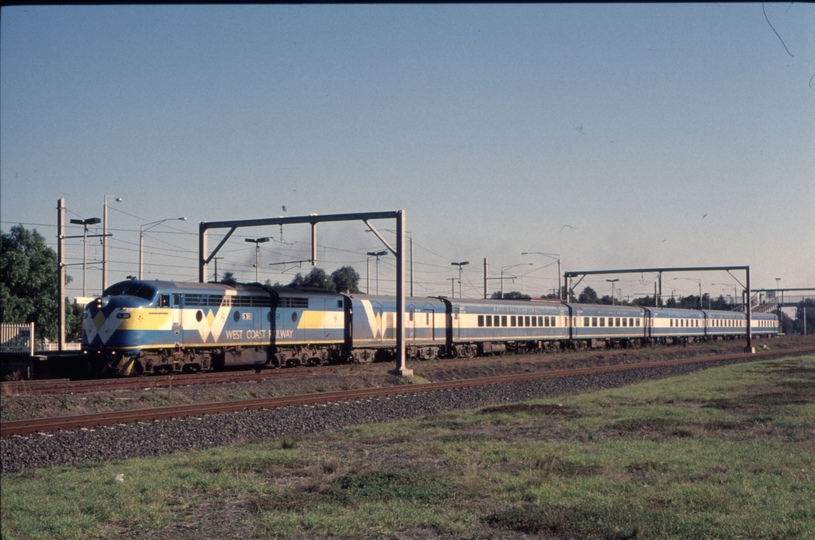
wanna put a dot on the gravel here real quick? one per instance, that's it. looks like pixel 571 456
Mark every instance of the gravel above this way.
pixel 20 453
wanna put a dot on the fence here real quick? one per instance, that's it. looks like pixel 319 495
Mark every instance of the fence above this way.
pixel 17 338
pixel 20 339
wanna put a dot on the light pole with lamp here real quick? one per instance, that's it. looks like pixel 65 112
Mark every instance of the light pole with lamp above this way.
pixel 553 256
pixel 257 242
pixel 459 264
pixel 734 297
pixel 376 254
pixel 147 227
pixel 85 223
pixel 510 277
pixel 613 281
pixel 699 281
pixel 105 239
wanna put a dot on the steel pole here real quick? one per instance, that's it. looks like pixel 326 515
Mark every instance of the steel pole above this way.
pixel 105 245
pixel 61 265
pixel 401 357
pixel 84 257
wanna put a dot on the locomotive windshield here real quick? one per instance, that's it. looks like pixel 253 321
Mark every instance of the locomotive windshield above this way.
pixel 131 288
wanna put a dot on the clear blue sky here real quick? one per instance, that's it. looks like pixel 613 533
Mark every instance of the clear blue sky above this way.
pixel 618 136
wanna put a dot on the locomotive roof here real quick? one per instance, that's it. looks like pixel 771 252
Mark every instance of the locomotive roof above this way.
pixel 210 287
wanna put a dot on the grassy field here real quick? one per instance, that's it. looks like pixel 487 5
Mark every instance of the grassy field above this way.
pixel 723 453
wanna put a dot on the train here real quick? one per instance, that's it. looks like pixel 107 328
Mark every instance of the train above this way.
pixel 140 327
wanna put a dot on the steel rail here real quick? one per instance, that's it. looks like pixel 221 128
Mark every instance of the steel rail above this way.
pixel 24 427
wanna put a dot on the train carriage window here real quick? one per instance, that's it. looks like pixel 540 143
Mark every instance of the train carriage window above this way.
pixel 526 321
pixel 534 321
pixel 540 321
pixel 602 321
pixel 638 321
pixel 520 320
pixel 585 321
pixel 617 322
pixel 489 320
pixel 512 320
pixel 625 321
pixel 503 320
pixel 480 320
pixel 594 321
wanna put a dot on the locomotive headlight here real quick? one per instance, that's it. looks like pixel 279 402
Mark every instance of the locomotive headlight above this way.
pixel 123 315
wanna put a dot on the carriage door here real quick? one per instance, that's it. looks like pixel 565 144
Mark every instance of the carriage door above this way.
pixel 410 326
pixel 379 333
pixel 178 319
pixel 431 323
pixel 456 322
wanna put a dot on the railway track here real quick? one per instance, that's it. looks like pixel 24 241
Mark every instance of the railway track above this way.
pixel 68 386
pixel 24 427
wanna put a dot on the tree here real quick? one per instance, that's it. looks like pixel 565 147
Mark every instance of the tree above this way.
pixel 588 296
pixel 316 278
pixel 806 307
pixel 229 279
pixel 29 283
pixel 346 279
pixel 512 295
pixel 786 322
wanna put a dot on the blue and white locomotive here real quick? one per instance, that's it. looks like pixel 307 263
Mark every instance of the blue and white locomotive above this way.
pixel 164 326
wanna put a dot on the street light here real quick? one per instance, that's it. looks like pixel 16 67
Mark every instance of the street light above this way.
pixel 553 256
pixel 734 291
pixel 459 264
pixel 699 281
pixel 257 242
pixel 105 239
pixel 145 227
pixel 510 277
pixel 613 281
pixel 85 223
pixel 376 254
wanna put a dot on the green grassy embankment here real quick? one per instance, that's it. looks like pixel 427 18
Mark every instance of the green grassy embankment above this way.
pixel 724 453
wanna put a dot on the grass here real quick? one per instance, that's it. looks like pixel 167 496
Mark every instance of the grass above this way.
pixel 723 453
